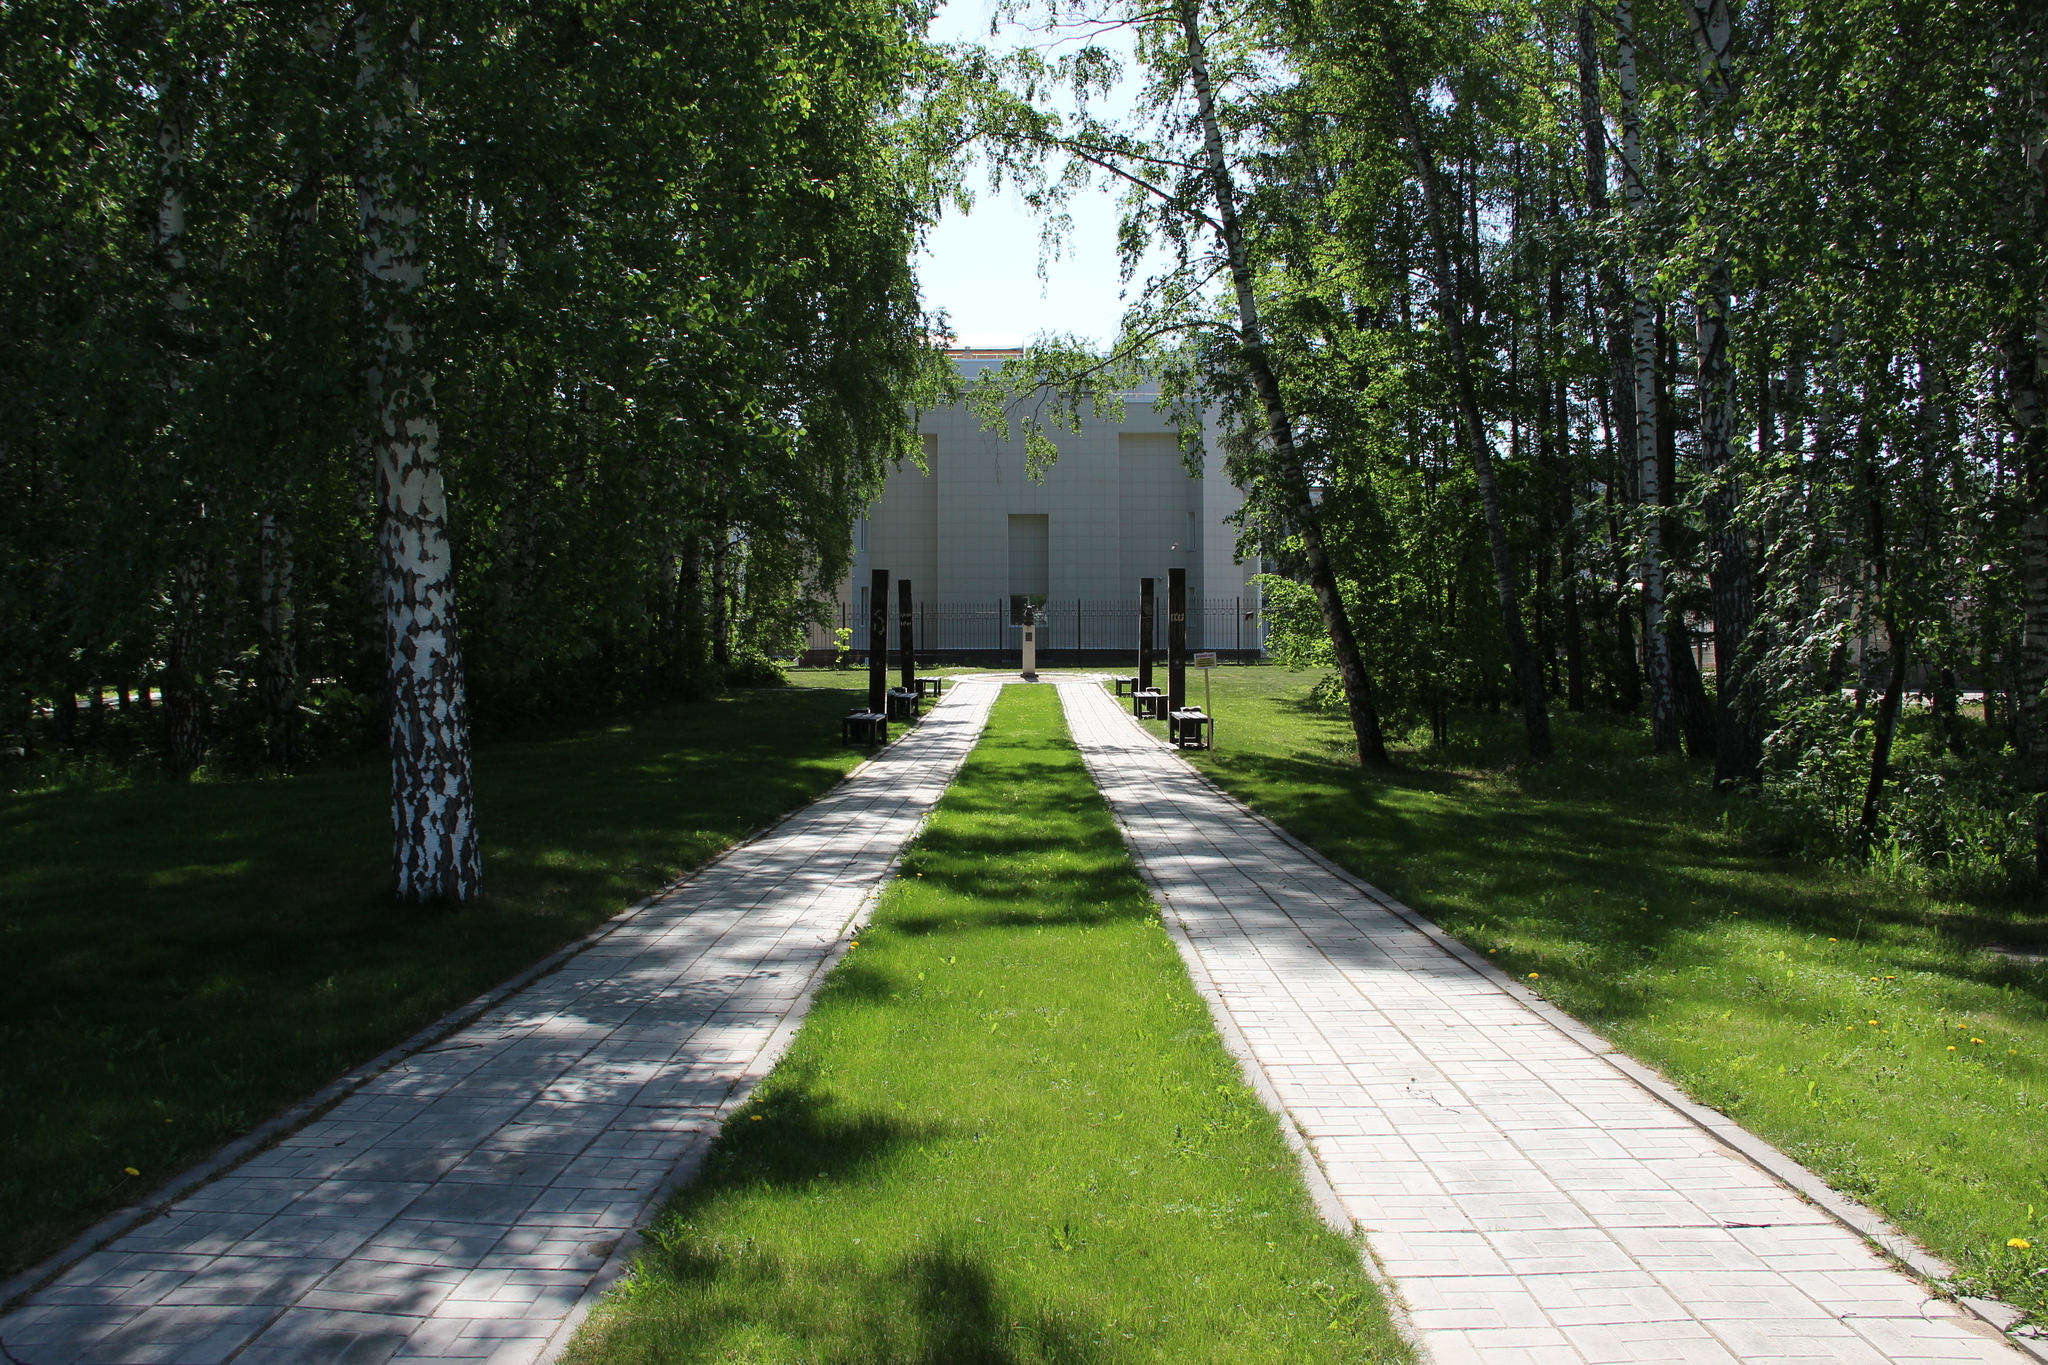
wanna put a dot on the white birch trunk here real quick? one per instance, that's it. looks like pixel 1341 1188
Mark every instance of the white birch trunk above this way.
pixel 433 807
pixel 173 155
pixel 185 699
pixel 1643 336
pixel 1738 748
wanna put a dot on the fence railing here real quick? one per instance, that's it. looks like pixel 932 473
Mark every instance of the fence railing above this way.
pixel 1218 623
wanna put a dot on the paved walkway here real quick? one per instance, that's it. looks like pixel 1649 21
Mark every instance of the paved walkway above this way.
pixel 459 1205
pixel 1531 1201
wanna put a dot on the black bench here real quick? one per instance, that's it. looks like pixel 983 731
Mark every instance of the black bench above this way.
pixel 1149 704
pixel 930 687
pixel 903 703
pixel 1191 729
pixel 1124 685
pixel 863 727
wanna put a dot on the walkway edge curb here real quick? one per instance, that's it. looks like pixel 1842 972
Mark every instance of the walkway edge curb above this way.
pixel 691 1161
pixel 268 1133
pixel 1321 1192
pixel 686 1167
pixel 1868 1224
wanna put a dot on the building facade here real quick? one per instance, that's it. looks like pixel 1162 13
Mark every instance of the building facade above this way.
pixel 979 540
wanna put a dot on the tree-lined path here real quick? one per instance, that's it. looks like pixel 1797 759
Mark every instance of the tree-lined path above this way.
pixel 458 1205
pixel 1531 1202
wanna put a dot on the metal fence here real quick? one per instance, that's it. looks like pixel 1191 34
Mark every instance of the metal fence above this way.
pixel 1076 624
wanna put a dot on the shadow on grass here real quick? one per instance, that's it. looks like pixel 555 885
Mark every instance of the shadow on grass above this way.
pixel 183 960
pixel 939 1305
pixel 1617 865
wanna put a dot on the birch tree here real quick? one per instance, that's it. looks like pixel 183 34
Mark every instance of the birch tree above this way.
pixel 1738 753
pixel 435 856
pixel 1643 337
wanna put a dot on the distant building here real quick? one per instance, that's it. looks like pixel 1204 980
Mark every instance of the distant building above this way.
pixel 978 539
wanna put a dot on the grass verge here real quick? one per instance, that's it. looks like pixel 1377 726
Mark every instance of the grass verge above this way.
pixel 1007 1133
pixel 1852 1020
pixel 180 962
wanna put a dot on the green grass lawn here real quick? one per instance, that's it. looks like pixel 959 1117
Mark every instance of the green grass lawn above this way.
pixel 181 961
pixel 1007 1133
pixel 1849 1019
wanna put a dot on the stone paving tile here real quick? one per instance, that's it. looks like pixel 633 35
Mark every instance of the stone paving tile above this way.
pixel 1530 1202
pixel 457 1206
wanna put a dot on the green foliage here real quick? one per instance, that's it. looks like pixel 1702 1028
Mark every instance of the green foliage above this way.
pixel 1857 188
pixel 1006 1132
pixel 675 334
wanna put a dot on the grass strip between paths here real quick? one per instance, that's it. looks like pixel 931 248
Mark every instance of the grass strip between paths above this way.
pixel 1849 1019
pixel 1006 1133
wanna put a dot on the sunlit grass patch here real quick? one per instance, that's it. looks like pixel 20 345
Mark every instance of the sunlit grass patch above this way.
pixel 1849 1018
pixel 1006 1133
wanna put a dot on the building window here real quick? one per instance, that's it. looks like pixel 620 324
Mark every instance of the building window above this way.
pixel 1030 562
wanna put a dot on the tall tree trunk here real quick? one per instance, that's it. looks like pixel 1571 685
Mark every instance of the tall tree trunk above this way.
pixel 184 681
pixel 1884 598
pixel 1695 714
pixel 1617 405
pixel 1738 749
pixel 1450 312
pixel 721 594
pixel 435 856
pixel 1883 732
pixel 1664 734
pixel 185 696
pixel 1292 477
pixel 277 669
pixel 1628 678
pixel 1552 495
pixel 2024 40
pixel 1564 495
pixel 2022 360
pixel 689 608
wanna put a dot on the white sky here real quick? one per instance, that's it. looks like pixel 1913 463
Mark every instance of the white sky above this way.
pixel 982 267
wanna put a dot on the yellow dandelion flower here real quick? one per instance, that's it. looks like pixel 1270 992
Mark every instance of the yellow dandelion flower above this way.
pixel 1951 1047
pixel 2019 1244
pixel 1977 1040
pixel 1534 976
pixel 131 1170
pixel 1873 1023
pixel 1834 940
pixel 757 1118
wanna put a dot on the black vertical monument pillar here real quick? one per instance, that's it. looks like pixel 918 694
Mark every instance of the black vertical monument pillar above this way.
pixel 1147 604
pixel 905 642
pixel 1176 639
pixel 878 641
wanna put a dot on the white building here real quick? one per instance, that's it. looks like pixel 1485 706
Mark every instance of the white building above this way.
pixel 978 539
